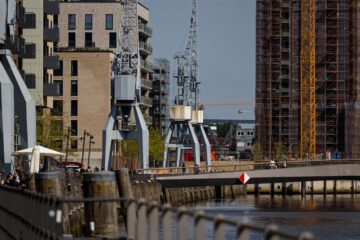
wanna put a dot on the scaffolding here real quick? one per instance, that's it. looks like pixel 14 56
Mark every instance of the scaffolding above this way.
pixel 278 75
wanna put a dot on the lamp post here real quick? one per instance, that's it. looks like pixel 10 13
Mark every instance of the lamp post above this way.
pixel 67 143
pixel 90 142
pixel 83 148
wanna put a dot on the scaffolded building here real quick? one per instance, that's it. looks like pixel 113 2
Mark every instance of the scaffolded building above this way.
pixel 278 88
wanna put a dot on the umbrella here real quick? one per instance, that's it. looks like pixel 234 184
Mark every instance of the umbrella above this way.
pixel 35 159
pixel 42 151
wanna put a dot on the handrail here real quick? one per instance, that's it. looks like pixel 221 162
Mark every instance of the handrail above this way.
pixel 246 166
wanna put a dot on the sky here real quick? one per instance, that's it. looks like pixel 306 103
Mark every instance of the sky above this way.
pixel 226 44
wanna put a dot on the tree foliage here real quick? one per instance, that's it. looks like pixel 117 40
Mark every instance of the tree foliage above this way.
pixel 156 145
pixel 50 131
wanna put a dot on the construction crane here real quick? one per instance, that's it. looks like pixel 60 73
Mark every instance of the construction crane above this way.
pixel 307 80
pixel 125 121
pixel 186 116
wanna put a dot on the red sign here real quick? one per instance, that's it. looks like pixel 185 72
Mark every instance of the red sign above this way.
pixel 244 177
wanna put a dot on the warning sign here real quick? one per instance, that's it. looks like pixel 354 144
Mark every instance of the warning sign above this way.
pixel 244 177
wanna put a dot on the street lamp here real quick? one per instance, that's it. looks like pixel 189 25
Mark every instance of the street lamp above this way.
pixel 90 142
pixel 83 148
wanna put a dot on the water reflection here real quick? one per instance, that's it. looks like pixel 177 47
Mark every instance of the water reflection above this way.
pixel 330 217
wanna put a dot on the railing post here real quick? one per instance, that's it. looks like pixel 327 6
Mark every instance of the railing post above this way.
pixel 141 223
pixel 182 227
pixel 154 221
pixel 131 220
pixel 306 236
pixel 219 227
pixel 270 232
pixel 243 232
pixel 199 225
pixel 167 222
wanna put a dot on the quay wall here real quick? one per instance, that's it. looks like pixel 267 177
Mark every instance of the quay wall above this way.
pixel 311 187
pixel 152 191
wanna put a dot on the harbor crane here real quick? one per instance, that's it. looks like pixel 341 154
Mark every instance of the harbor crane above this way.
pixel 186 116
pixel 125 121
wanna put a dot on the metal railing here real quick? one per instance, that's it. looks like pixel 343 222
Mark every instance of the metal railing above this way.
pixel 145 29
pixel 245 166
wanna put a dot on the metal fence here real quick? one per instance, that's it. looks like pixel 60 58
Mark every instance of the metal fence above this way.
pixel 244 166
pixel 27 215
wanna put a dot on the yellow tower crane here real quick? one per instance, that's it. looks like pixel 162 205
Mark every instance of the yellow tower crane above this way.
pixel 307 80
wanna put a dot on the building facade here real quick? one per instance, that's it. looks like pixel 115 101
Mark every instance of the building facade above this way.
pixel 88 41
pixel 160 94
pixel 278 39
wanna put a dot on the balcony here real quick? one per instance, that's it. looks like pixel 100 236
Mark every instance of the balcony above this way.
pixel 51 7
pixel 51 89
pixel 51 62
pixel 51 34
pixel 145 48
pixel 146 101
pixel 145 30
pixel 15 45
pixel 30 80
pixel 146 84
pixel 30 50
pixel 30 21
pixel 146 66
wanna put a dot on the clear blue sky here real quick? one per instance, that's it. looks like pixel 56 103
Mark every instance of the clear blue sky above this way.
pixel 226 45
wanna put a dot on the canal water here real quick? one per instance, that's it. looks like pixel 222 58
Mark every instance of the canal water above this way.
pixel 330 217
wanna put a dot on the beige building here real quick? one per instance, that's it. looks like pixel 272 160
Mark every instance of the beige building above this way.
pixel 41 34
pixel 89 34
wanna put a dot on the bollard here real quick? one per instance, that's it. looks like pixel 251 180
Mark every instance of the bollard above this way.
pixel 30 181
pixel 49 183
pixel 101 217
pixel 123 183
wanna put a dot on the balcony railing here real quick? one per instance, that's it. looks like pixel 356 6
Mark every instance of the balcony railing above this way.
pixel 30 50
pixel 51 89
pixel 146 84
pixel 145 48
pixel 51 34
pixel 51 7
pixel 51 62
pixel 145 65
pixel 144 29
pixel 30 21
pixel 146 101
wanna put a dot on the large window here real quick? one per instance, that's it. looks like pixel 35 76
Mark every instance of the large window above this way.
pixel 71 40
pixel 74 67
pixel 74 107
pixel 74 128
pixel 88 21
pixel 60 85
pixel 88 40
pixel 109 22
pixel 112 40
pixel 74 88
pixel 71 21
pixel 59 71
pixel 57 109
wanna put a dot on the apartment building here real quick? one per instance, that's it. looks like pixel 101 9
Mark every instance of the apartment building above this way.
pixel 41 34
pixel 278 42
pixel 88 41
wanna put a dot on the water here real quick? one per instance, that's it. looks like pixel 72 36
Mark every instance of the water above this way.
pixel 330 217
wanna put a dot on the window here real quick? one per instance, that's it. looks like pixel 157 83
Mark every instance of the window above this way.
pixel 59 71
pixel 112 40
pixel 71 40
pixel 57 109
pixel 74 68
pixel 60 85
pixel 74 88
pixel 108 21
pixel 242 133
pixel 248 144
pixel 74 128
pixel 88 40
pixel 71 21
pixel 88 21
pixel 74 107
pixel 248 133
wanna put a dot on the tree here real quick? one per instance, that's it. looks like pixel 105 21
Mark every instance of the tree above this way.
pixel 50 131
pixel 256 152
pixel 156 145
pixel 278 151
